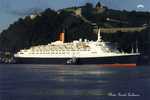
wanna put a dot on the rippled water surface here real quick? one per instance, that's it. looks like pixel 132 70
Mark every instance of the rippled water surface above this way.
pixel 73 82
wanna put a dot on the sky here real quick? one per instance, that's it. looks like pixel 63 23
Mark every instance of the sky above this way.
pixel 11 10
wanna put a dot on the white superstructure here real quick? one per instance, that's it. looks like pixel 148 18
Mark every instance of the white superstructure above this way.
pixel 77 49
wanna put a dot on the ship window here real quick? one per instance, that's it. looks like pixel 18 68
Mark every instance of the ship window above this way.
pixel 93 52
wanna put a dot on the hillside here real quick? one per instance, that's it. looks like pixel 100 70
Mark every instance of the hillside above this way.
pixel 43 29
pixel 80 22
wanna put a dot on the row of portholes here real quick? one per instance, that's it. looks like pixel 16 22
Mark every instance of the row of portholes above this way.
pixel 55 53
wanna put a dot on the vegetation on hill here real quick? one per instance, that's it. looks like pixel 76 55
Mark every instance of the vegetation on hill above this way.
pixel 43 29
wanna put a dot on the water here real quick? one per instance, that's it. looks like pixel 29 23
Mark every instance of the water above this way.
pixel 68 82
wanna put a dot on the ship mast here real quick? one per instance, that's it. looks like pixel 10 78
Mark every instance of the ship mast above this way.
pixel 99 35
pixel 137 49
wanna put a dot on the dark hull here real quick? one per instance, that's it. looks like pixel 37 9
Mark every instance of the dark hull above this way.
pixel 132 59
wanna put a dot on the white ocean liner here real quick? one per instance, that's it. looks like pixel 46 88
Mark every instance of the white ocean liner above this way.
pixel 76 52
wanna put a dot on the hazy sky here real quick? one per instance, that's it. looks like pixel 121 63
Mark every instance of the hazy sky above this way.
pixel 11 10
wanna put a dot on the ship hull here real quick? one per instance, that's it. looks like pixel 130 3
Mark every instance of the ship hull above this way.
pixel 130 59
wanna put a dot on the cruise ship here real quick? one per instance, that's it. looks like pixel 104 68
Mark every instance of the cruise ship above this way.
pixel 76 52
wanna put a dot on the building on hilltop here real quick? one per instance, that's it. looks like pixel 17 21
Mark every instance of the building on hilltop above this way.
pixel 99 8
